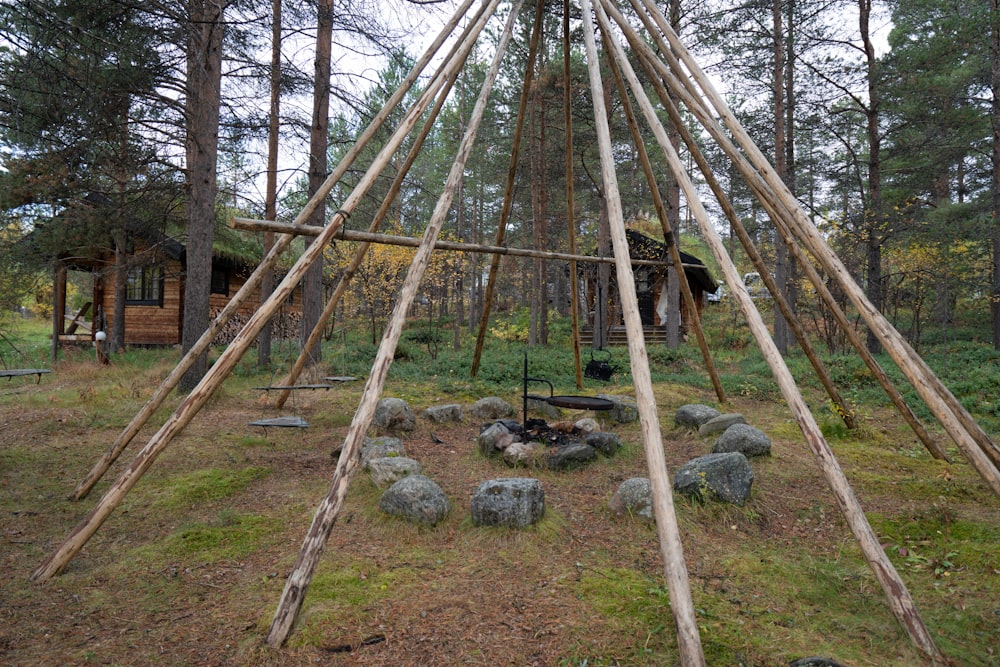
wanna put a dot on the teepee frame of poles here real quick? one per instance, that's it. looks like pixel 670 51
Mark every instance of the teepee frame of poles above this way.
pixel 673 74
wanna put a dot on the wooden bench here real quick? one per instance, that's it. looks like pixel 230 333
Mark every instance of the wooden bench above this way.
pixel 293 387
pixel 281 422
pixel 296 387
pixel 292 421
pixel 18 372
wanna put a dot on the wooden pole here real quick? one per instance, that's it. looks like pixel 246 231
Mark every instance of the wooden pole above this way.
pixel 671 549
pixel 900 601
pixel 338 293
pixel 845 411
pixel 508 196
pixel 297 585
pixel 193 403
pixel 410 242
pixel 978 448
pixel 759 187
pixel 574 286
pixel 186 411
pixel 58 307
pixel 668 233
pixel 252 283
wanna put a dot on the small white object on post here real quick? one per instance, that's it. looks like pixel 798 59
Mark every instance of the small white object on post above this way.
pixel 102 355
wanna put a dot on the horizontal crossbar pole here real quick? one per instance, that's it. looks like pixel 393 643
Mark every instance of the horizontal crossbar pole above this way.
pixel 388 239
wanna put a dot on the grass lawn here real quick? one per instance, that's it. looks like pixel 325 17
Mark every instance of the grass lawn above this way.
pixel 189 569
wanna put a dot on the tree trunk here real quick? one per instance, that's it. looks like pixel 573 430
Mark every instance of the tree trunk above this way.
pixel 535 152
pixel 672 199
pixel 203 98
pixel 780 165
pixel 120 290
pixel 790 284
pixel 542 220
pixel 312 283
pixel 271 188
pixel 995 232
pixel 873 219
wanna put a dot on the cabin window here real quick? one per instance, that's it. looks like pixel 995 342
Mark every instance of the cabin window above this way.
pixel 145 286
pixel 220 281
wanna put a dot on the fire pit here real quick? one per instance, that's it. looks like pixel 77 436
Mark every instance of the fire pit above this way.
pixel 569 402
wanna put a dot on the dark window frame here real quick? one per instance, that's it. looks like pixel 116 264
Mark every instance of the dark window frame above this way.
pixel 219 281
pixel 144 286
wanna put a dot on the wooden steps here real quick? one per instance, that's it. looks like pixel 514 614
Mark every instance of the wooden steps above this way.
pixel 617 336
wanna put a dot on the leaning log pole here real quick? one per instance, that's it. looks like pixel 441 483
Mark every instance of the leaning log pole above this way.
pixel 671 549
pixel 297 585
pixel 661 212
pixel 845 411
pixel 331 305
pixel 760 188
pixel 508 196
pixel 249 287
pixel 193 403
pixel 900 601
pixel 981 451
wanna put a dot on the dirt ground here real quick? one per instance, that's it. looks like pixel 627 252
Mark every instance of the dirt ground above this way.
pixel 387 593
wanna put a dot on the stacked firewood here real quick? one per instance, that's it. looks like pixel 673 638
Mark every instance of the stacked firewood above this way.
pixel 284 326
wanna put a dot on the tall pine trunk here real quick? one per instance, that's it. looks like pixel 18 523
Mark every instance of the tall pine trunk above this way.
pixel 672 200
pixel 202 99
pixel 995 231
pixel 312 282
pixel 873 214
pixel 789 284
pixel 780 163
pixel 271 188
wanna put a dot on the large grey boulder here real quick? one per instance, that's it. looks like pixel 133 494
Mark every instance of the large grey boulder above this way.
pixel 417 499
pixel 744 439
pixel 440 414
pixel 491 408
pixel 633 497
pixel 494 439
pixel 721 423
pixel 624 410
pixel 604 442
pixel 387 470
pixel 571 455
pixel 514 502
pixel 394 414
pixel 525 454
pixel 727 477
pixel 381 447
pixel 587 425
pixel 693 415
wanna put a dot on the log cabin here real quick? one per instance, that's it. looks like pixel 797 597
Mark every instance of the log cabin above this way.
pixel 154 291
pixel 650 287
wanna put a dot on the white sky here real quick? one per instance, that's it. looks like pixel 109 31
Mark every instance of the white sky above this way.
pixel 420 24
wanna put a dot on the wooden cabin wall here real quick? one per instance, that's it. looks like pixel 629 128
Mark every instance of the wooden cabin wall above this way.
pixel 150 325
